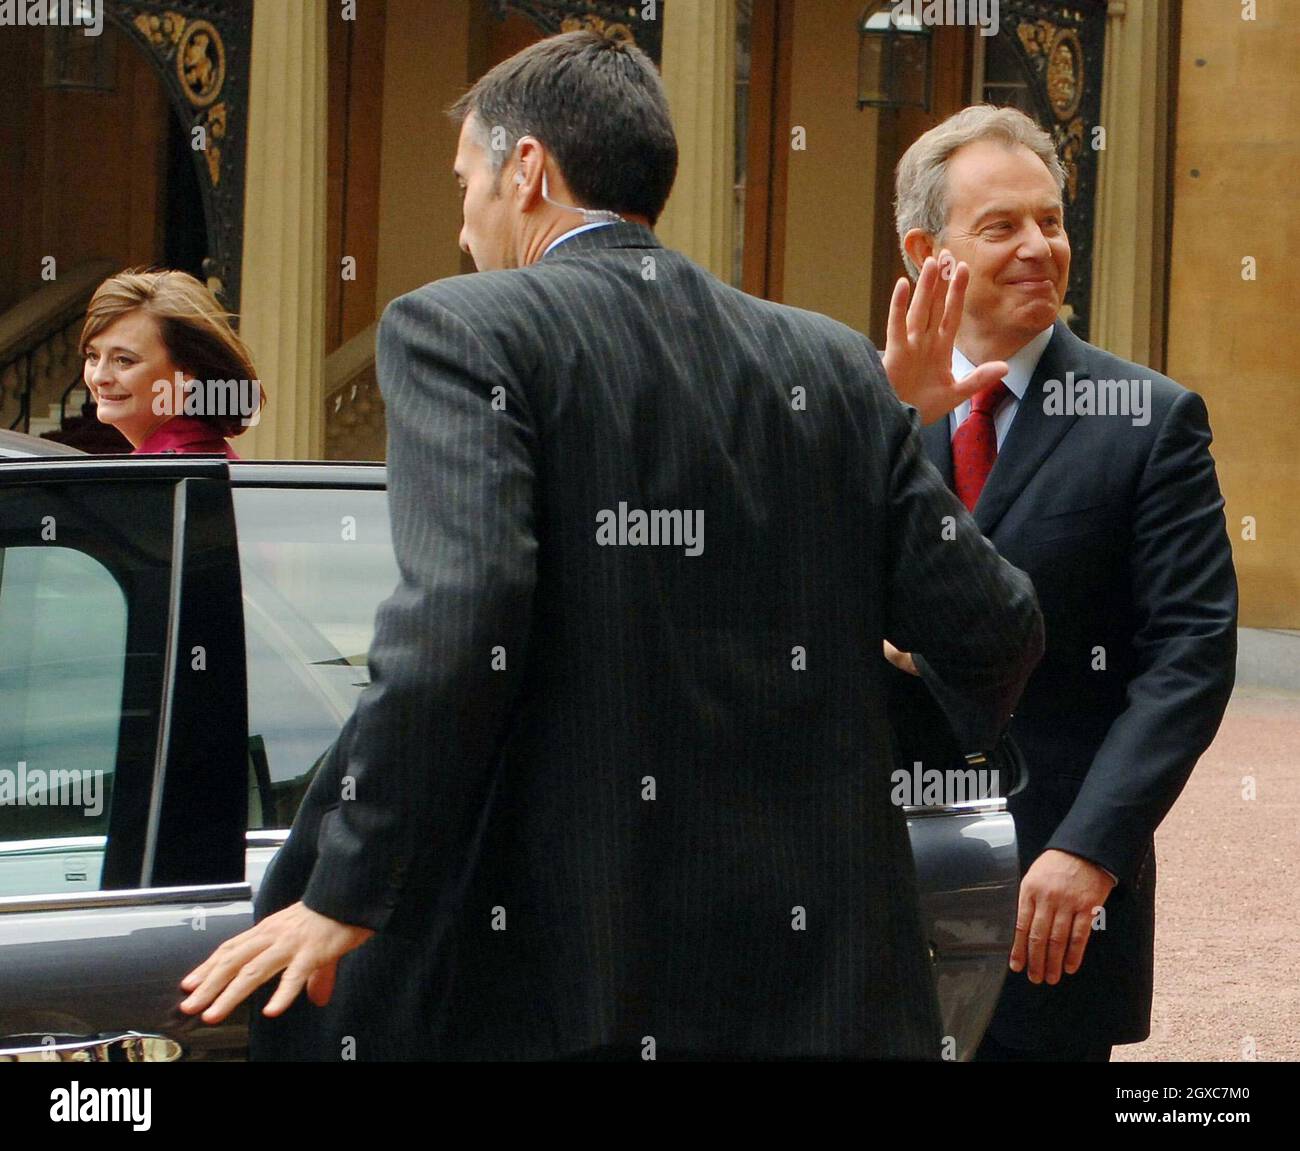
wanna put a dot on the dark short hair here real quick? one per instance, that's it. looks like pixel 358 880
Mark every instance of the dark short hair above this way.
pixel 597 104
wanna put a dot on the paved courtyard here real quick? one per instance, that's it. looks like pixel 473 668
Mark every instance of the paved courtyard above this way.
pixel 1228 889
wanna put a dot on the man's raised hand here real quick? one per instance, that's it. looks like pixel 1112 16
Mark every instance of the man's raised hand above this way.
pixel 919 339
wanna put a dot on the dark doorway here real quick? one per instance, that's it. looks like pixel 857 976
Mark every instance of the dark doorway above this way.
pixel 185 240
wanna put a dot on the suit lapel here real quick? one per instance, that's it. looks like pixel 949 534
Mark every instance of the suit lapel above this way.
pixel 937 442
pixel 1033 434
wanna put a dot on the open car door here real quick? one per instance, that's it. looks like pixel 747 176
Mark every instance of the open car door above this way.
pixel 123 755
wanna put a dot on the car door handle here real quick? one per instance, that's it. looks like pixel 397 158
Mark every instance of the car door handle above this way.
pixel 107 1047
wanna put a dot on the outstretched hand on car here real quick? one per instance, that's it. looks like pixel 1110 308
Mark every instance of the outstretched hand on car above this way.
pixel 302 943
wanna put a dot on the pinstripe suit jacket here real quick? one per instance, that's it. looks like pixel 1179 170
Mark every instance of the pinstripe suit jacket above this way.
pixel 612 793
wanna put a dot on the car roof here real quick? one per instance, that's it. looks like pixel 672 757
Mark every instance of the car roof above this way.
pixel 17 445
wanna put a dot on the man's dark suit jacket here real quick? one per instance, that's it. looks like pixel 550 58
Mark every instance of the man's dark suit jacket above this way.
pixel 607 795
pixel 1121 528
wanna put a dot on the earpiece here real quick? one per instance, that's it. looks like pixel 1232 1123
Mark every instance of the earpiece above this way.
pixel 519 179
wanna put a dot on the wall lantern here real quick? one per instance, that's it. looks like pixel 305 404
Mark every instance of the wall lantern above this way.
pixel 75 60
pixel 893 56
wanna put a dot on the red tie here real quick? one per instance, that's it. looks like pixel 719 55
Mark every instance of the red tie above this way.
pixel 975 445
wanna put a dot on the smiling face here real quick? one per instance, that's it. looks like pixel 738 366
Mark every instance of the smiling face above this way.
pixel 1006 220
pixel 122 364
pixel 488 231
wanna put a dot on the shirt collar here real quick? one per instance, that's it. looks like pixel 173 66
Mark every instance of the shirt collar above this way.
pixel 577 231
pixel 1020 367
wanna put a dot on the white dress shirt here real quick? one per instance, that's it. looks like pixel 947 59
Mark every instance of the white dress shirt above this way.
pixel 1020 369
pixel 575 231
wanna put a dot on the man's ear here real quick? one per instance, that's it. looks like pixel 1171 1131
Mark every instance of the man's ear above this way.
pixel 918 245
pixel 526 183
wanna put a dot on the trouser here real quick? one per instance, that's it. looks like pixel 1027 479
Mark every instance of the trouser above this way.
pixel 991 1051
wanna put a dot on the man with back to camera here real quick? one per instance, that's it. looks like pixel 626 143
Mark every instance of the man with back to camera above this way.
pixel 1094 476
pixel 619 787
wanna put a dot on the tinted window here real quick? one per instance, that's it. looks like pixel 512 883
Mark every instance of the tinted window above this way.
pixel 63 651
pixel 316 564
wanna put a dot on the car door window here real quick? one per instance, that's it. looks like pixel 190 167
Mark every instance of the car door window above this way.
pixel 63 651
pixel 85 585
pixel 315 564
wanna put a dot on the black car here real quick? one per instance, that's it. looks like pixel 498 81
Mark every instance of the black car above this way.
pixel 181 638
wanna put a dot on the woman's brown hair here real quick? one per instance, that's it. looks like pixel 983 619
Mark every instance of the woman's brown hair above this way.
pixel 194 327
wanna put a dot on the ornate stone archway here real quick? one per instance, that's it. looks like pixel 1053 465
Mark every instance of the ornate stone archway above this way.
pixel 1061 48
pixel 201 50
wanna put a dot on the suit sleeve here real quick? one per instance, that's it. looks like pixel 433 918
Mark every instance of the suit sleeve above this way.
pixel 1184 593
pixel 970 619
pixel 415 761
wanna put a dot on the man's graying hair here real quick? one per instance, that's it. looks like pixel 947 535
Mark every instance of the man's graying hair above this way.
pixel 921 188
pixel 598 106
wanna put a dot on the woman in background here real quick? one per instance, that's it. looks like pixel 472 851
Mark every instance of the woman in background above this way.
pixel 165 367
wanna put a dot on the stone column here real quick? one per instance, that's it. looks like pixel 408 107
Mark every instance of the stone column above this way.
pixel 699 71
pixel 1128 298
pixel 283 306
